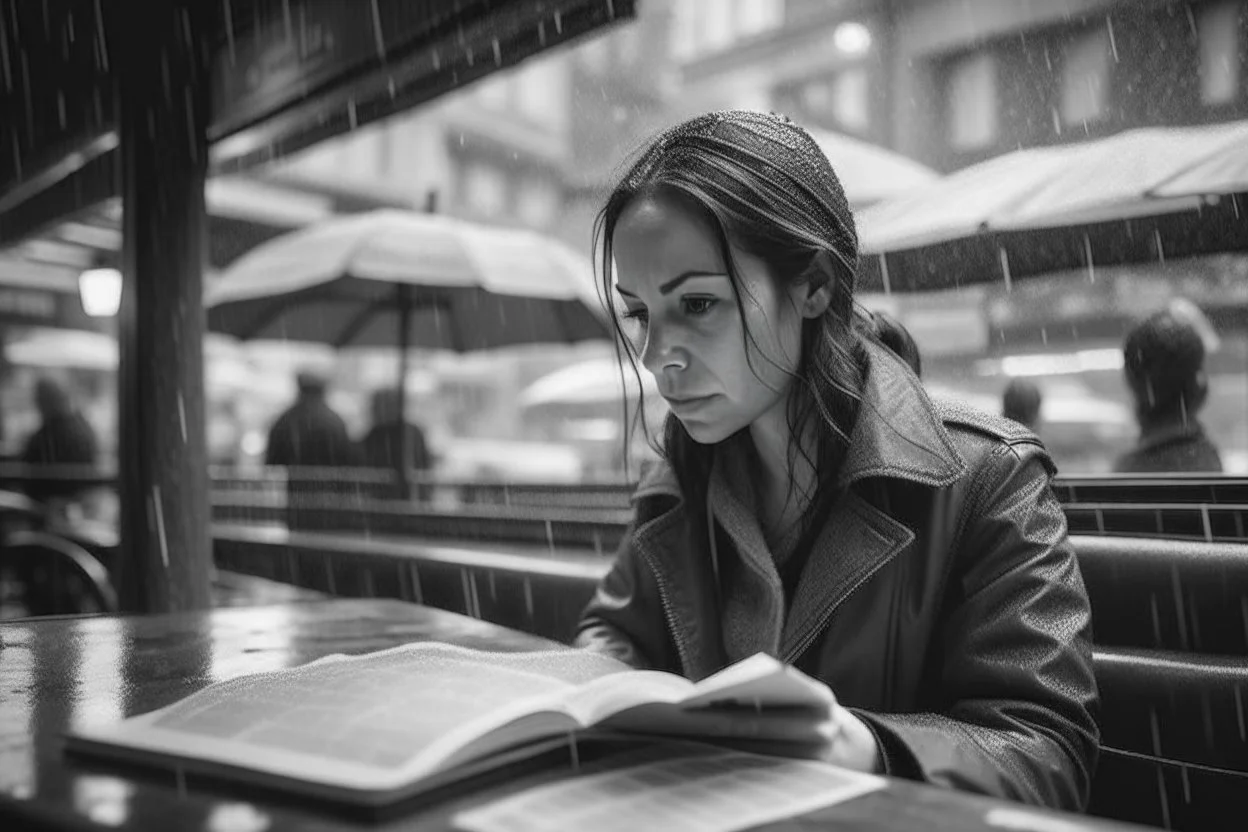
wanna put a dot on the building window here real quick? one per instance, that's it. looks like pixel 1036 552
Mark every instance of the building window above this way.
pixel 754 17
pixel 485 189
pixel 1085 77
pixel 1218 34
pixel 705 26
pixel 537 203
pixel 715 18
pixel 685 36
pixel 627 43
pixel 494 92
pixel 973 101
pixel 850 99
pixel 539 93
pixel 595 55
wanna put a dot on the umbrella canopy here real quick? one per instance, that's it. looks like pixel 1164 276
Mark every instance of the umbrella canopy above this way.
pixel 1142 195
pixel 225 368
pixel 350 281
pixel 868 172
pixel 587 382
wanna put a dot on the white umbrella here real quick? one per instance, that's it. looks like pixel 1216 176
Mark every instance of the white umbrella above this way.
pixel 587 382
pixel 406 279
pixel 350 281
pixel 868 172
pixel 1140 195
pixel 224 368
pixel 64 348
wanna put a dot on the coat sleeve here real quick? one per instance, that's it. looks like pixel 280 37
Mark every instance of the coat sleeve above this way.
pixel 625 618
pixel 1019 719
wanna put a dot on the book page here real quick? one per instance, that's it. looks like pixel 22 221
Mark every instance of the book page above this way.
pixel 762 682
pixel 381 709
pixel 606 696
pixel 719 791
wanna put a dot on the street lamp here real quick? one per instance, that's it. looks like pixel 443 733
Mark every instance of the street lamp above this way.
pixel 100 292
pixel 852 38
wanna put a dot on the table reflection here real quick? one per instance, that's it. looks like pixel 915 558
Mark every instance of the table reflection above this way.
pixel 103 799
pixel 17 756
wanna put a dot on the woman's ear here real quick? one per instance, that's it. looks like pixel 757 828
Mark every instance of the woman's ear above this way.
pixel 817 299
pixel 814 288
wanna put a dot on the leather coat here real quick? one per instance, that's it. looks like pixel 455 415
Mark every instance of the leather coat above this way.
pixel 941 601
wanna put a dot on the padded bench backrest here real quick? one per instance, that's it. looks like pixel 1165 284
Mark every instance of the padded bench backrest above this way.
pixel 1174 744
pixel 1166 594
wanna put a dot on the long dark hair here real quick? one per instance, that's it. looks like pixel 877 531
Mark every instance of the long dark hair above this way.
pixel 765 186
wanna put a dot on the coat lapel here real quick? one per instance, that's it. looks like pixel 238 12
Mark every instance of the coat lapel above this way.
pixel 673 552
pixel 857 540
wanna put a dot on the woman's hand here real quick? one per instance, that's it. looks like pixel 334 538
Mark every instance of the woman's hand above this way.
pixel 830 733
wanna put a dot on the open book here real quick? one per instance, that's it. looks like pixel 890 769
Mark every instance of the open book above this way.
pixel 380 727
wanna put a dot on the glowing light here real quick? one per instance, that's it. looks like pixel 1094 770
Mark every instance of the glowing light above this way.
pixel 852 38
pixel 100 291
pixel 1082 361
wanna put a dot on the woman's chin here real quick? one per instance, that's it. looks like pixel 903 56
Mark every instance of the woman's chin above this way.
pixel 704 432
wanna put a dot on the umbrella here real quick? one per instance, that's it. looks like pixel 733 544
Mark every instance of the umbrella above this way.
pixel 224 368
pixel 1142 195
pixel 589 382
pixel 407 279
pixel 868 172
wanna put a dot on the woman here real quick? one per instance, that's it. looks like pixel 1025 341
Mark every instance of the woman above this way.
pixel 815 505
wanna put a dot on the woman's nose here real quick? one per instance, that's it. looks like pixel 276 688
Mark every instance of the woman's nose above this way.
pixel 661 353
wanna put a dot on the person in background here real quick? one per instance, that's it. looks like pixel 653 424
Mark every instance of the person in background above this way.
pixel 64 437
pixel 1164 366
pixel 898 339
pixel 1021 402
pixel 380 447
pixel 310 435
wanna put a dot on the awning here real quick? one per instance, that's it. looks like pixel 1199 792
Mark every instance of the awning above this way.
pixel 284 76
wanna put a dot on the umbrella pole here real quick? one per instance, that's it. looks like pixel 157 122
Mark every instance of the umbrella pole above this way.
pixel 403 456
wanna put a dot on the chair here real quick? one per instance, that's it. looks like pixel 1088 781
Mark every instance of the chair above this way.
pixel 54 576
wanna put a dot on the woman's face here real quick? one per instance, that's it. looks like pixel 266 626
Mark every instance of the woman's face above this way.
pixel 682 319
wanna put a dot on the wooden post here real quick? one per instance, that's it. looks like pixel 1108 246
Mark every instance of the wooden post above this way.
pixel 159 53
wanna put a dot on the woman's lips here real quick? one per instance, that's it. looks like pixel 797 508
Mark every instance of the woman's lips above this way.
pixel 686 402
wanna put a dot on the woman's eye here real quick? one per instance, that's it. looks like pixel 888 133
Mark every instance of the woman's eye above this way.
pixel 698 306
pixel 636 315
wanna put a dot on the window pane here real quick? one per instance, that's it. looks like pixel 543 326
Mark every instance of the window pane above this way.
pixel 1085 78
pixel 973 102
pixel 850 100
pixel 1219 53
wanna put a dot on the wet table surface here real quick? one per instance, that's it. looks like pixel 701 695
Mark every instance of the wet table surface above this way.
pixel 57 673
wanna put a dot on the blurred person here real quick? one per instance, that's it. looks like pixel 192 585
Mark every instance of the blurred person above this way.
pixel 1021 402
pixel 64 437
pixel 898 339
pixel 310 434
pixel 380 447
pixel 808 483
pixel 1164 367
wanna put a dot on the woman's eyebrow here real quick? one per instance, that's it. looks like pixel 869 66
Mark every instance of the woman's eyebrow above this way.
pixel 673 284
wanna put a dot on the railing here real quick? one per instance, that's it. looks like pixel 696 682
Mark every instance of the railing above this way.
pixel 1174 506
pixel 1183 507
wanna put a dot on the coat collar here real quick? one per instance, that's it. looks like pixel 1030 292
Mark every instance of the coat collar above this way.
pixel 897 435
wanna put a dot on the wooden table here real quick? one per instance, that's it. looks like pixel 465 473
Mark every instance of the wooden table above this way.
pixel 60 672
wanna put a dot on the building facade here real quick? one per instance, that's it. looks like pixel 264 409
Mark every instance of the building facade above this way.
pixel 952 82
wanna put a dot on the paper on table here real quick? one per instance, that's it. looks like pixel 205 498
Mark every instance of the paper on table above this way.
pixel 717 791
